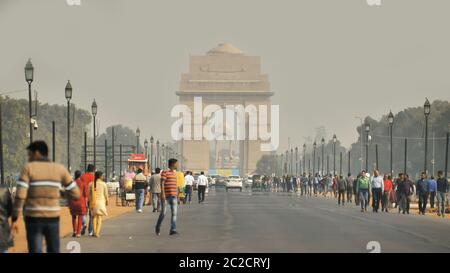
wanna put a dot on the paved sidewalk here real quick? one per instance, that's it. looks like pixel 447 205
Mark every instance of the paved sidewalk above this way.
pixel 20 243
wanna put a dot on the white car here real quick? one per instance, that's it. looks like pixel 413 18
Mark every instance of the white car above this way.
pixel 233 182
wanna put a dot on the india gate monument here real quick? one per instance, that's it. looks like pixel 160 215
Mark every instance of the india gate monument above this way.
pixel 224 76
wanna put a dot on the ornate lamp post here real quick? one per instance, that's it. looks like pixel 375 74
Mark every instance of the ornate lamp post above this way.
pixel 138 135
pixel 426 112
pixel 334 154
pixel 291 171
pixel 304 158
pixel 391 123
pixel 68 93
pixel 146 150
pixel 151 152
pixel 297 167
pixel 94 114
pixel 29 77
pixel 314 157
pixel 163 155
pixel 367 129
pixel 323 146
pixel 158 155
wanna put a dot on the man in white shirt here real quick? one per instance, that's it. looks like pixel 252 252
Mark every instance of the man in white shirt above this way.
pixel 188 182
pixel 202 184
pixel 377 185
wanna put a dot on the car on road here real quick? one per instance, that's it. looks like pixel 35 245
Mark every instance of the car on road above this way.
pixel 233 182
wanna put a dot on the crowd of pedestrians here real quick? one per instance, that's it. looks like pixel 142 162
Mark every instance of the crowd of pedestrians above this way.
pixel 382 192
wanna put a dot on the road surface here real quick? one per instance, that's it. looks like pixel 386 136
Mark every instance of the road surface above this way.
pixel 270 222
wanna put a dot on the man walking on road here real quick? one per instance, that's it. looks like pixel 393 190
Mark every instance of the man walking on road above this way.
pixel 155 189
pixel 342 188
pixel 442 189
pixel 304 184
pixel 422 192
pixel 202 184
pixel 377 183
pixel 349 188
pixel 169 195
pixel 432 188
pixel 406 190
pixel 363 187
pixel 188 182
pixel 38 194
pixel 140 185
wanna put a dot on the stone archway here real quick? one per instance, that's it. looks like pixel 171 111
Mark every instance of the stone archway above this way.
pixel 224 76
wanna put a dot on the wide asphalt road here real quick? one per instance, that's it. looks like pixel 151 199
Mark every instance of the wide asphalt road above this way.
pixel 270 222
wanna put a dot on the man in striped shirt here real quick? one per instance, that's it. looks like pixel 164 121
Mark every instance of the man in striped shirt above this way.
pixel 169 193
pixel 37 197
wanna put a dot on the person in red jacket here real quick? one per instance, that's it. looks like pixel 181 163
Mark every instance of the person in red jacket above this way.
pixel 78 207
pixel 385 200
pixel 87 178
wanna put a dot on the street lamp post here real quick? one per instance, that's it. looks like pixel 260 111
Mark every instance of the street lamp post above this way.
pixel 367 129
pixel 426 111
pixel 94 114
pixel 2 166
pixel 297 167
pixel 286 169
pixel 314 157
pixel 29 77
pixel 304 158
pixel 151 152
pixel 163 155
pixel 158 156
pixel 291 170
pixel 334 154
pixel 361 142
pixel 68 93
pixel 391 123
pixel 146 150
pixel 323 147
pixel 138 135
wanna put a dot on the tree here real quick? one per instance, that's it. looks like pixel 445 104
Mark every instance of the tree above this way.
pixel 15 132
pixel 266 165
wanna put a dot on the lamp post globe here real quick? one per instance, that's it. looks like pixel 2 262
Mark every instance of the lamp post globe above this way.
pixel 94 108
pixel 29 72
pixel 68 91
pixel 138 135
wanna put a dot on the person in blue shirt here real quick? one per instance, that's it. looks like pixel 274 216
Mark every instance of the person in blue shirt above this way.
pixel 422 192
pixel 432 188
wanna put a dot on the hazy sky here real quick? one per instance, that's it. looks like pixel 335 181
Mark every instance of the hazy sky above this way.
pixel 327 60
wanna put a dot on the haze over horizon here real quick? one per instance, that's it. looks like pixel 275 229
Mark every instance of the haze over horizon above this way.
pixel 327 61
